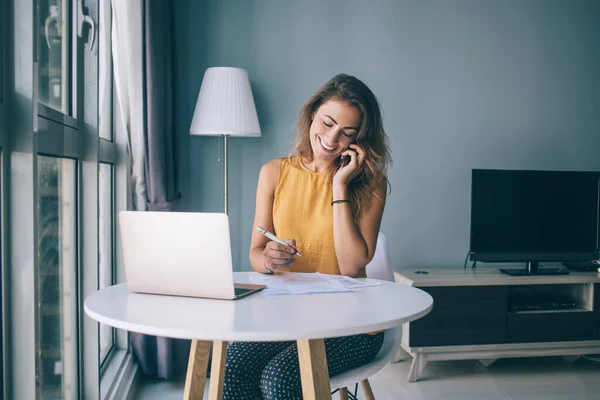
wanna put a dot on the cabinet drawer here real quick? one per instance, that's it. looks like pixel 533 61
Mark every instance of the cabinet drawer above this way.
pixel 467 315
pixel 550 326
pixel 462 316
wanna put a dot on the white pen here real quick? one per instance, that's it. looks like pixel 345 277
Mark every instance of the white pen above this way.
pixel 276 239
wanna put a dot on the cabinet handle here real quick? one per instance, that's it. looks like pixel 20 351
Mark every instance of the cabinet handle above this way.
pixel 82 19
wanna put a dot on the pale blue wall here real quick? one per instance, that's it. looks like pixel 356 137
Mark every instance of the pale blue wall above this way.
pixel 462 84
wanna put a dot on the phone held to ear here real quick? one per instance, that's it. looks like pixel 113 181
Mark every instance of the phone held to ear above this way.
pixel 344 160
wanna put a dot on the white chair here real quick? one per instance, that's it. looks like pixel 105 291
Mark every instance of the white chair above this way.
pixel 378 268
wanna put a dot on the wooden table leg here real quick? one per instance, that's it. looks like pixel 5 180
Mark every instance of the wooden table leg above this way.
pixel 343 393
pixel 196 372
pixel 217 370
pixel 313 369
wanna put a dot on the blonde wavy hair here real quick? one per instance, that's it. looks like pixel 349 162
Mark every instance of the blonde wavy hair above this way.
pixel 371 137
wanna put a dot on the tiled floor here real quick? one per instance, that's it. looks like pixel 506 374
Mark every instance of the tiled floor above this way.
pixel 549 378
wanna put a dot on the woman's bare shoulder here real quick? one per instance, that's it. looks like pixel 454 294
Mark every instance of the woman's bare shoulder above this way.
pixel 269 173
pixel 270 169
pixel 272 166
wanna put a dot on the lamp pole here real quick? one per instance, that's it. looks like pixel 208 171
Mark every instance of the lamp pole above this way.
pixel 225 183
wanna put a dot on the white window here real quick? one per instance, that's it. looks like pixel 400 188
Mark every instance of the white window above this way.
pixel 67 182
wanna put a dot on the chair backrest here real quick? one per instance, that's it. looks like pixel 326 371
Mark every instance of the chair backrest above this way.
pixel 391 344
pixel 380 266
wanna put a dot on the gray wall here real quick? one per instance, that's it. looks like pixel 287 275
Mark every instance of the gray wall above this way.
pixel 462 84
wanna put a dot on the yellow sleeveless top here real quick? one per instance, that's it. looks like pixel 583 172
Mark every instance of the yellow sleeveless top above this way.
pixel 302 211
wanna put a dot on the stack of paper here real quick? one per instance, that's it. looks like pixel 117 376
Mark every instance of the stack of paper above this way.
pixel 306 283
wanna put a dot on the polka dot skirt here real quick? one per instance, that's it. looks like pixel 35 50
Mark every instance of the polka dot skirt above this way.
pixel 270 370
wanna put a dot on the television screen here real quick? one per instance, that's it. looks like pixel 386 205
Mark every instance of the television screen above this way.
pixel 534 215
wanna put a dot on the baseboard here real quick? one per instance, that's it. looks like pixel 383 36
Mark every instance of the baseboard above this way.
pixel 126 382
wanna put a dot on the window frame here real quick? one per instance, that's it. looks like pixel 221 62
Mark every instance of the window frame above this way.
pixel 71 117
pixel 116 372
pixel 4 149
pixel 36 129
pixel 112 151
pixel 104 362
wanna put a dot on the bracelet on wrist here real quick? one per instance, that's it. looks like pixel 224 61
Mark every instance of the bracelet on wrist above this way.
pixel 339 201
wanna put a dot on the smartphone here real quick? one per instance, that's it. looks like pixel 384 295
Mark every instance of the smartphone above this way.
pixel 344 160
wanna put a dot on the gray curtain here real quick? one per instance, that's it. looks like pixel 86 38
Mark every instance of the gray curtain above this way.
pixel 157 355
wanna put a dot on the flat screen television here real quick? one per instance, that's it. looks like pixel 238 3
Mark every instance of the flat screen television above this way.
pixel 534 216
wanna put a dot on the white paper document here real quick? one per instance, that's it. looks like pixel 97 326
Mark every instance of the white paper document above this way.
pixel 306 283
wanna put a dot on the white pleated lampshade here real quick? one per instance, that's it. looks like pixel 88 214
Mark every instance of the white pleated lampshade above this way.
pixel 225 104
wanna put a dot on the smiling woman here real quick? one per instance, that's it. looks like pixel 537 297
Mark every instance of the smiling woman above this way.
pixel 334 181
pixel 326 200
pixel 341 119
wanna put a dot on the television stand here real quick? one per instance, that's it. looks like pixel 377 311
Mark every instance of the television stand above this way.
pixel 533 268
pixel 478 314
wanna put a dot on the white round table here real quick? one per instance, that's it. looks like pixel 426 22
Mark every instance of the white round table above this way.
pixel 308 319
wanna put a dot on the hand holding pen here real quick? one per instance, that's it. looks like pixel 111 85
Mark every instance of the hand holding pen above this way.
pixel 278 253
pixel 276 239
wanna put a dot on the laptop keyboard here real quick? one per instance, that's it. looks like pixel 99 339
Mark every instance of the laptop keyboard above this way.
pixel 240 291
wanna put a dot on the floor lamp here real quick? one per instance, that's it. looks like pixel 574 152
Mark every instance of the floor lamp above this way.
pixel 225 107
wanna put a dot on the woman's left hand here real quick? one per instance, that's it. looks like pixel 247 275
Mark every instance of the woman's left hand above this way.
pixel 346 173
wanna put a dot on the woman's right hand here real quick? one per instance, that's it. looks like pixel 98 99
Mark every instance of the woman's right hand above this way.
pixel 278 255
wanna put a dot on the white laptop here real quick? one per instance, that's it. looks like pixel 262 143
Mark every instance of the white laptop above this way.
pixel 179 254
